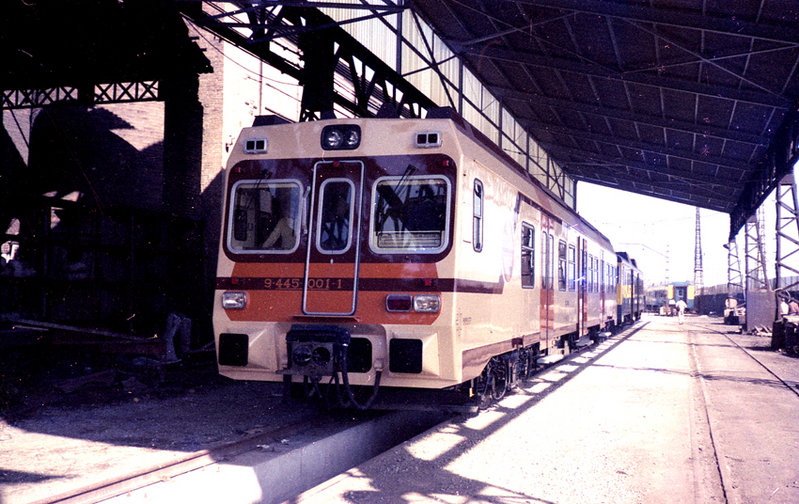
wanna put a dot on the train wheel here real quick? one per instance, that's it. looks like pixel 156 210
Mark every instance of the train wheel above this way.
pixel 499 388
pixel 491 385
pixel 501 377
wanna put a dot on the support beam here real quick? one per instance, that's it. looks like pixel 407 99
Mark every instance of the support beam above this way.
pixel 657 121
pixel 780 158
pixel 735 283
pixel 372 80
pixel 734 26
pixel 787 243
pixel 549 63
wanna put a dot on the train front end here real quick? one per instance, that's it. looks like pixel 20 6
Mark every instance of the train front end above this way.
pixel 335 246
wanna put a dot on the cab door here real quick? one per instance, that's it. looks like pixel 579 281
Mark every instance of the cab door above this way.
pixel 330 284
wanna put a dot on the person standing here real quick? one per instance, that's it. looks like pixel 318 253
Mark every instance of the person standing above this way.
pixel 681 306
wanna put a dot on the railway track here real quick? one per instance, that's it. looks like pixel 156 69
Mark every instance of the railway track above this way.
pixel 704 420
pixel 277 447
pixel 141 477
pixel 792 387
pixel 364 434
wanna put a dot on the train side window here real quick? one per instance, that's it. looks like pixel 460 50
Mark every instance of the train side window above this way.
pixel 550 262
pixel 590 273
pixel 596 274
pixel 528 256
pixel 601 275
pixel 263 216
pixel 477 221
pixel 544 261
pixel 562 265
pixel 584 271
pixel 572 267
pixel 410 214
pixel 597 279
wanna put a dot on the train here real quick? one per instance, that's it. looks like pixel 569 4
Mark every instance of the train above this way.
pixel 414 253
pixel 677 291
pixel 663 299
pixel 631 294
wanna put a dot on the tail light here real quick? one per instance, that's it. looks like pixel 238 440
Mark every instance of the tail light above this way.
pixel 399 302
pixel 421 303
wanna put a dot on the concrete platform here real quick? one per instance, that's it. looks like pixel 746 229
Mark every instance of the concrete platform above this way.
pixel 667 413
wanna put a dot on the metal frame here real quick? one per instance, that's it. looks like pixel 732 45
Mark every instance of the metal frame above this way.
pixel 735 283
pixel 782 154
pixel 689 104
pixel 755 255
pixel 253 25
pixel 787 227
pixel 734 137
pixel 113 92
pixel 699 281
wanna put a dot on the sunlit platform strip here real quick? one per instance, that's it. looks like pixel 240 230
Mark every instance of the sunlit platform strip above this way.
pixel 664 412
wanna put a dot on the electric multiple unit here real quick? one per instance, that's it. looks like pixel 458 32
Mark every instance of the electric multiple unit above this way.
pixel 405 252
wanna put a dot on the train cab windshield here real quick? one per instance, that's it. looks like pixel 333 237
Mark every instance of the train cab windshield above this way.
pixel 264 217
pixel 410 214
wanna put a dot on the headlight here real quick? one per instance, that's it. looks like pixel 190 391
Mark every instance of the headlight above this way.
pixel 234 300
pixel 341 137
pixel 352 138
pixel 332 138
pixel 427 303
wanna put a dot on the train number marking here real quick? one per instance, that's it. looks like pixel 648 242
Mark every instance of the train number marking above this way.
pixel 288 283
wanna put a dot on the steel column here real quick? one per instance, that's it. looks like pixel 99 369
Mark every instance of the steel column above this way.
pixel 734 276
pixel 787 227
pixel 760 303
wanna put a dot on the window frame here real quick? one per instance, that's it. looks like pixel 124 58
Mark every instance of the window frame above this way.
pixel 571 278
pixel 550 260
pixel 445 233
pixel 529 247
pixel 601 274
pixel 562 265
pixel 318 222
pixel 261 184
pixel 478 217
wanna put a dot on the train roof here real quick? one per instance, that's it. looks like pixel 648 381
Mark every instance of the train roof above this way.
pixel 625 257
pixel 466 128
pixel 575 220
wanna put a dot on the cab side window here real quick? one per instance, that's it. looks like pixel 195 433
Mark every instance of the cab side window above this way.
pixel 562 265
pixel 477 219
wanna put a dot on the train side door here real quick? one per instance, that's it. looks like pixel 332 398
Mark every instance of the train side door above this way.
pixel 330 285
pixel 547 274
pixel 603 280
pixel 582 285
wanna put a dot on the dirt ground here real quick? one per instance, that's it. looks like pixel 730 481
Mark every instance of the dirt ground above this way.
pixel 71 416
